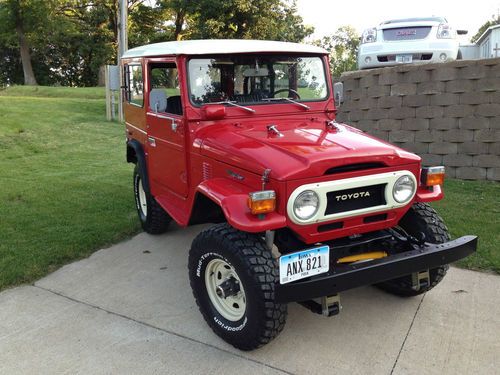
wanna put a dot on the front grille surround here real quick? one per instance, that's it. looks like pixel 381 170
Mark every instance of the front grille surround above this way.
pixel 387 179
pixel 406 33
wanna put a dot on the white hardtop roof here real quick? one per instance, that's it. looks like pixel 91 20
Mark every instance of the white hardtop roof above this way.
pixel 219 46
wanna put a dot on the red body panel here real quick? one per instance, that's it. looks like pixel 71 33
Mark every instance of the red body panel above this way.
pixel 224 160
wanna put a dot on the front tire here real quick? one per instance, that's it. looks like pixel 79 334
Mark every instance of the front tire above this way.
pixel 233 275
pixel 421 218
pixel 154 220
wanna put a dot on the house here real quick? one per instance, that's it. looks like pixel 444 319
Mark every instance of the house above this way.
pixel 489 43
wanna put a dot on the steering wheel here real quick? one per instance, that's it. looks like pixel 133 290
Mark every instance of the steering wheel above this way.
pixel 290 91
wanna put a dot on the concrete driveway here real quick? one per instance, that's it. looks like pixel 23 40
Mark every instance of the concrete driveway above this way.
pixel 129 309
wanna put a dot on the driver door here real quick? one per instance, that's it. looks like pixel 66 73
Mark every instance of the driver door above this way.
pixel 166 131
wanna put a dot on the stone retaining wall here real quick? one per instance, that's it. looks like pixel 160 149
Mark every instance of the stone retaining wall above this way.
pixel 448 113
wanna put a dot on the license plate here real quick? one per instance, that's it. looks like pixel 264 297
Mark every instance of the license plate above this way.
pixel 304 264
pixel 404 58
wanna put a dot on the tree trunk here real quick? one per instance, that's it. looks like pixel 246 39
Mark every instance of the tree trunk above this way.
pixel 24 49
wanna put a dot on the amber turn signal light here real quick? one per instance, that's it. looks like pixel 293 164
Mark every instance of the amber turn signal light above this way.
pixel 432 176
pixel 262 202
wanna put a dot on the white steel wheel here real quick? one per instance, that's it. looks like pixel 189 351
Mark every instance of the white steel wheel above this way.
pixel 225 290
pixel 143 203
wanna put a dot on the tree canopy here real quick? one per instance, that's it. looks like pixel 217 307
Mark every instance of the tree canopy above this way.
pixel 494 21
pixel 66 41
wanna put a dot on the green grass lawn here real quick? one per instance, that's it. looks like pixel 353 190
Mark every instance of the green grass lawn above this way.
pixel 473 207
pixel 65 188
pixel 66 191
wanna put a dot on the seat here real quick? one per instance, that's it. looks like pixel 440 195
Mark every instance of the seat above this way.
pixel 158 100
pixel 174 105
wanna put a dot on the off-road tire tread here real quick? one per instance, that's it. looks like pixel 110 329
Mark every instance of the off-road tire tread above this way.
pixel 260 266
pixel 428 221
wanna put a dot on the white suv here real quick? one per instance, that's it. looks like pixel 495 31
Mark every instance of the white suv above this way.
pixel 426 39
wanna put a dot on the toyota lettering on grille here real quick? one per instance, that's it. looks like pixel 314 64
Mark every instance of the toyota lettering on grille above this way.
pixel 345 197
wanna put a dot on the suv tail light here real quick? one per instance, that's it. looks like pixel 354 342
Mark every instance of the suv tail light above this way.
pixel 432 176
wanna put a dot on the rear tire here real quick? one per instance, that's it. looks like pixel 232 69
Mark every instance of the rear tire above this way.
pixel 154 220
pixel 421 218
pixel 249 317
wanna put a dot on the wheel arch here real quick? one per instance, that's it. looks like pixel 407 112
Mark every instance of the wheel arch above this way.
pixel 136 155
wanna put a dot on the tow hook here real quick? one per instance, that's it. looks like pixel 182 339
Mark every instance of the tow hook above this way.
pixel 420 280
pixel 329 305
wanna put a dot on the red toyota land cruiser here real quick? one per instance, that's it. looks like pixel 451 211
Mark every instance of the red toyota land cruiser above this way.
pixel 242 134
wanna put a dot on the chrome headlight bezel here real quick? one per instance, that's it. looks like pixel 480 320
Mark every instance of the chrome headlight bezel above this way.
pixel 369 35
pixel 298 204
pixel 409 188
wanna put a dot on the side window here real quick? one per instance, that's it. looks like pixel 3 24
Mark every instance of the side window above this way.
pixel 135 84
pixel 164 80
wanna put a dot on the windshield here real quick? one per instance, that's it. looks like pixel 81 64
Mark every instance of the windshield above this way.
pixel 253 79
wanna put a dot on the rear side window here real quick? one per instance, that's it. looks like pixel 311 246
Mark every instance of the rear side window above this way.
pixel 134 84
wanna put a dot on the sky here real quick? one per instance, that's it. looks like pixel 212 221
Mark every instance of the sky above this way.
pixel 326 16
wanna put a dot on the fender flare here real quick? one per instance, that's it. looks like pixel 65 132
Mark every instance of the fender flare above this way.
pixel 140 160
pixel 232 198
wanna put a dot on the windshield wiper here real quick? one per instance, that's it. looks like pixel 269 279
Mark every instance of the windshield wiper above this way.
pixel 234 104
pixel 288 100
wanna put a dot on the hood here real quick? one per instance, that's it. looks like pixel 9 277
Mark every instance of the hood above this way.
pixel 302 150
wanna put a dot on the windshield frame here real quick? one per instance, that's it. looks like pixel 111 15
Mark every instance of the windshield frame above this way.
pixel 321 57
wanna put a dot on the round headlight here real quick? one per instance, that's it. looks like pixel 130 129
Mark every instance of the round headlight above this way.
pixel 403 189
pixel 306 205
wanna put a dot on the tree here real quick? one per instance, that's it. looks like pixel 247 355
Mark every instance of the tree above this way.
pixel 343 47
pixel 495 20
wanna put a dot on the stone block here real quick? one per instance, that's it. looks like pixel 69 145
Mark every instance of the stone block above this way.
pixel 493 174
pixel 486 161
pixel 402 89
pixel 488 84
pixel 389 78
pixel 378 91
pixel 401 113
pixel 415 123
pixel 445 73
pixel 418 75
pixel 429 111
pixel 389 124
pixel 443 123
pixel 451 172
pixel 416 100
pixel 342 116
pixel 445 99
pixel 431 88
pixel 471 173
pixel 389 101
pixel 488 110
pixel 351 84
pixel 458 160
pixel 443 148
pixel 376 114
pixel 473 122
pixel 472 148
pixel 428 136
pixel 494 148
pixel 473 71
pixel 458 135
pixel 366 125
pixel 461 85
pixel 475 97
pixel 429 160
pixel 367 103
pixel 486 135
pixel 417 147
pixel 356 115
pixel 384 135
pixel 459 110
pixel 401 136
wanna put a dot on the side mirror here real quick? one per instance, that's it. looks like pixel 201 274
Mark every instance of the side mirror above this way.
pixel 338 93
pixel 462 32
pixel 213 111
pixel 158 100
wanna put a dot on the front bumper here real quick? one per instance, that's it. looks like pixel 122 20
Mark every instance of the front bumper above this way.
pixel 352 276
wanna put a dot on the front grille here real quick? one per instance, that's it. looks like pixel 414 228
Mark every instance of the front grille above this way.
pixel 355 199
pixel 407 33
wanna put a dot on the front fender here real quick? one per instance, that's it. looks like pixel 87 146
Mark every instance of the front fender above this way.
pixel 232 197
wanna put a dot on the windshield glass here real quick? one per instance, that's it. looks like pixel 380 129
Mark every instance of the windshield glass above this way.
pixel 251 79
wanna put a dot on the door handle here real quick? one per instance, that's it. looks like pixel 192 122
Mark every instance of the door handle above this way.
pixel 174 126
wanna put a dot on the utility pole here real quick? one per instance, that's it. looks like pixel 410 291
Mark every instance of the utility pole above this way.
pixel 122 46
